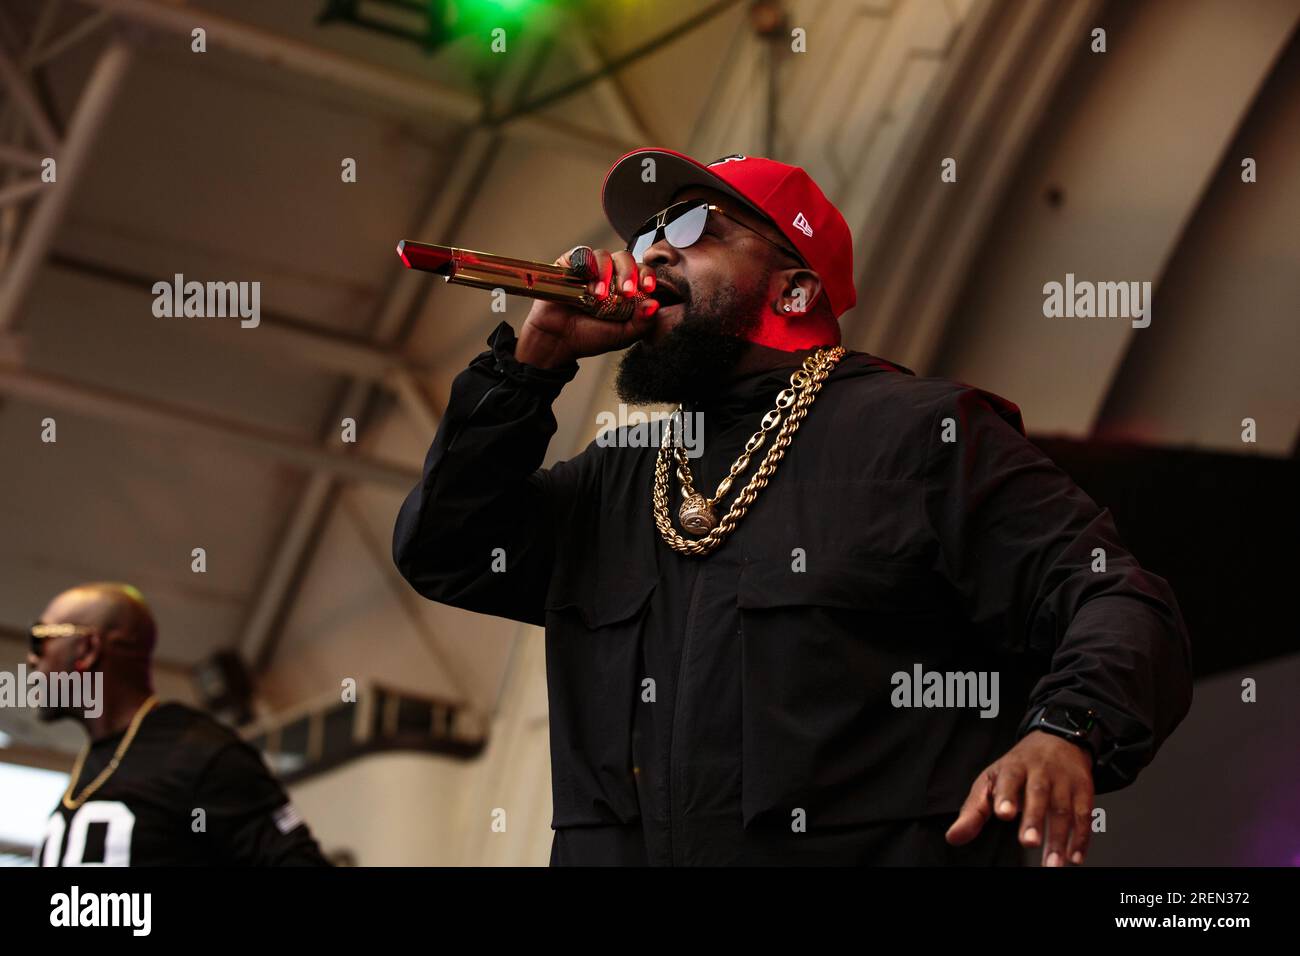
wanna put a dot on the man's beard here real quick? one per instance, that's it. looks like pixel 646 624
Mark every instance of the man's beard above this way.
pixel 48 713
pixel 693 361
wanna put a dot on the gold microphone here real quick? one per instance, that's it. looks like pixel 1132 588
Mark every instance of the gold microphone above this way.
pixel 535 280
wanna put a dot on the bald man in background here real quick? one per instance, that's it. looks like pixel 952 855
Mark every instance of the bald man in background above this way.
pixel 156 784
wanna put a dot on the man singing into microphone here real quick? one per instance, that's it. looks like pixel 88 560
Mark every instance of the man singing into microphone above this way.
pixel 870 623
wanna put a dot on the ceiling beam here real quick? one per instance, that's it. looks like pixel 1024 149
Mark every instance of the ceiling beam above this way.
pixel 287 336
pixel 605 85
pixel 296 545
pixel 24 97
pixel 41 758
pixel 70 38
pixel 379 549
pixel 14 155
pixel 460 184
pixel 422 95
pixel 671 35
pixel 17 192
pixel 915 247
pixel 124 409
pixel 90 113
pixel 22 158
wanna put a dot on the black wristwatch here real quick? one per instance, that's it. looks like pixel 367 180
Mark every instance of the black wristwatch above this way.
pixel 1076 724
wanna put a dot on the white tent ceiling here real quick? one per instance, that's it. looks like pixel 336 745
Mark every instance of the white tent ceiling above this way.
pixel 179 433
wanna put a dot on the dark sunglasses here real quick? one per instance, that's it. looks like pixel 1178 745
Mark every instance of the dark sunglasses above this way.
pixel 683 223
pixel 39 633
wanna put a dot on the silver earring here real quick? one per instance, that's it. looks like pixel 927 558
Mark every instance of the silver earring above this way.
pixel 786 307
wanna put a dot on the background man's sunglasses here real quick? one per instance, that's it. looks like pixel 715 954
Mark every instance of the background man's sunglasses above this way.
pixel 682 224
pixel 39 633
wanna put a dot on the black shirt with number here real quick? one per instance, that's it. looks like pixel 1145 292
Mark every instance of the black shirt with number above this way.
pixel 188 792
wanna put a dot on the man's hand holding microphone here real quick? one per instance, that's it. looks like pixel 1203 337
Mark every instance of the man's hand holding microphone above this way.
pixel 555 334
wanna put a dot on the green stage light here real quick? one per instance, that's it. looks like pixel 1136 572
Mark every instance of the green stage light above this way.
pixel 502 6
pixel 432 23
pixel 481 11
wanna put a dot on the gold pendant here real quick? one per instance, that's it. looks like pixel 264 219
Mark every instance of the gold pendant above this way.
pixel 696 516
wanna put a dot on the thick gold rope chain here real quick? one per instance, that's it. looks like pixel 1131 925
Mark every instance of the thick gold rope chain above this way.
pixel 806 382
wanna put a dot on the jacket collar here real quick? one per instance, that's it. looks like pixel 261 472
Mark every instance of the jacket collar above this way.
pixel 758 390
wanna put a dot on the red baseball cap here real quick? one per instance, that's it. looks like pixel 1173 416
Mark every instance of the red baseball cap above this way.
pixel 785 195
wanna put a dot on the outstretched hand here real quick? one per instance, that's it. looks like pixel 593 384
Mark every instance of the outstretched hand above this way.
pixel 1047 780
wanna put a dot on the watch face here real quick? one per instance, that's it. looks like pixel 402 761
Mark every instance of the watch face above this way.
pixel 1072 719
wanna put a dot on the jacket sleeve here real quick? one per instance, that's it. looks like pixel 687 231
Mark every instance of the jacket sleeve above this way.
pixel 249 818
pixel 1023 546
pixel 478 531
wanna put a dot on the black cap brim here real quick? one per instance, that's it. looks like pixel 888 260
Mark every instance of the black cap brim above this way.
pixel 629 201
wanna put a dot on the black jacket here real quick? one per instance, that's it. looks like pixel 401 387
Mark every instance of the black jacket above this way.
pixel 709 704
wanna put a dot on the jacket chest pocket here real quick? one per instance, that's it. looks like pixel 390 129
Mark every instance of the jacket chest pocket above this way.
pixel 819 648
pixel 882 520
pixel 593 664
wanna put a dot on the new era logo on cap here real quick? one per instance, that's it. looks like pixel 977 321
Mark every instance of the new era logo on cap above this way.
pixel 802 225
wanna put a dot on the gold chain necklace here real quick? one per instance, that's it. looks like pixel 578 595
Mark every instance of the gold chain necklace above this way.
pixel 98 782
pixel 696 514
